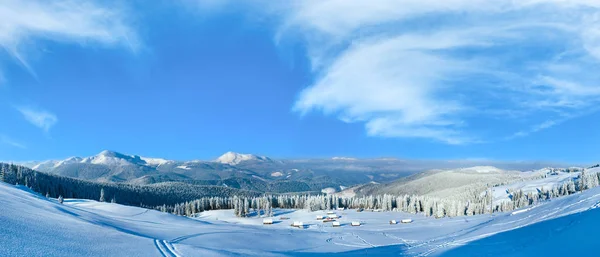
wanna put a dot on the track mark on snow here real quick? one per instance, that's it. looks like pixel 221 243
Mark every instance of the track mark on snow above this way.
pixel 165 248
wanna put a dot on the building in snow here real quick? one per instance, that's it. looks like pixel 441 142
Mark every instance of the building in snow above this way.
pixel 336 224
pixel 267 221
pixel 355 223
pixel 406 221
pixel 298 224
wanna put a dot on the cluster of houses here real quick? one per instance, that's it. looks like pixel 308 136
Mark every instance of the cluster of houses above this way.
pixel 333 218
pixel 394 222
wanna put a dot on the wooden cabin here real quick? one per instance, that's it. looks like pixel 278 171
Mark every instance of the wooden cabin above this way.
pixel 320 217
pixel 298 224
pixel 336 224
pixel 330 212
pixel 393 222
pixel 328 220
pixel 267 221
pixel 406 221
pixel 355 223
pixel 332 216
pixel 341 208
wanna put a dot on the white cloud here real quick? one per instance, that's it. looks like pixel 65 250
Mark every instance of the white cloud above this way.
pixel 9 141
pixel 434 69
pixel 71 21
pixel 417 68
pixel 40 118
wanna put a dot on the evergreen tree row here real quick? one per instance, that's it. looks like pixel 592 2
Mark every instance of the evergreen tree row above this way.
pixel 478 203
pixel 168 193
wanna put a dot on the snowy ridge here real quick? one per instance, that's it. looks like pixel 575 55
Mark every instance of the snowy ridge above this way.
pixel 232 158
pixel 106 157
pixel 479 169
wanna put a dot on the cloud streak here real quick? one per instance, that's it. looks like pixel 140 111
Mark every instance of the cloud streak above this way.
pixel 9 141
pixel 66 21
pixel 440 70
pixel 40 118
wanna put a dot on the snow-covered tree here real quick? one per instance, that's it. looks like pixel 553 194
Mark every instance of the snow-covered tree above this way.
pixel 60 199
pixel 102 195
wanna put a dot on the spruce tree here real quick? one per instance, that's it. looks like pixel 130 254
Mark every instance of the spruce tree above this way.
pixel 60 199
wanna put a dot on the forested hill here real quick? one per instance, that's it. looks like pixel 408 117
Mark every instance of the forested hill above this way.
pixel 139 195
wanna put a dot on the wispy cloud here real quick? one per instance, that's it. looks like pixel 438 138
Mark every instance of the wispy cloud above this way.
pixel 427 68
pixel 70 21
pixel 9 141
pixel 38 117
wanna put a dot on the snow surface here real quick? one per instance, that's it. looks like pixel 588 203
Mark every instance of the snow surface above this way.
pixel 32 225
pixel 328 190
pixel 155 161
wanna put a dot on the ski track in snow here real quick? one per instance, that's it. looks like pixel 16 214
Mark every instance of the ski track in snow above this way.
pixel 165 248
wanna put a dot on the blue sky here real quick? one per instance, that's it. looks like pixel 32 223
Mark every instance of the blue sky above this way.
pixel 191 79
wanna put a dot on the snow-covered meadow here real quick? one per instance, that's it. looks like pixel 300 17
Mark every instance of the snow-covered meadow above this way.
pixel 31 225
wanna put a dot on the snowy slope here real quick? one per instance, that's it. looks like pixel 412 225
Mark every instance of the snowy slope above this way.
pixel 35 226
pixel 565 236
pixel 447 183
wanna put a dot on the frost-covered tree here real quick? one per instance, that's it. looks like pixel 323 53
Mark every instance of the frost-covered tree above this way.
pixel 2 173
pixel 60 199
pixel 102 195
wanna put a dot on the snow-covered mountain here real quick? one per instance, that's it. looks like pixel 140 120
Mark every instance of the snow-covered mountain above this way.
pixel 108 158
pixel 254 172
pixel 232 158
pixel 112 158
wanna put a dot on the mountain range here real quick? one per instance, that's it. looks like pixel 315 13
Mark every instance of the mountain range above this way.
pixel 259 173
pixel 244 171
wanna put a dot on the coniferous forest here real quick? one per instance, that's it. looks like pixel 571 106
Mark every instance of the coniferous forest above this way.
pixel 189 199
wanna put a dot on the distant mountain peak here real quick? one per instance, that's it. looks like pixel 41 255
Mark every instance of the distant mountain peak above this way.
pixel 233 158
pixel 342 158
pixel 480 169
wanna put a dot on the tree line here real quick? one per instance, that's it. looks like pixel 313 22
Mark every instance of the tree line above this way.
pixel 478 203
pixel 167 193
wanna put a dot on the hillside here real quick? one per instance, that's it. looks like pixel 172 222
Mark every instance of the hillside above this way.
pixel 447 183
